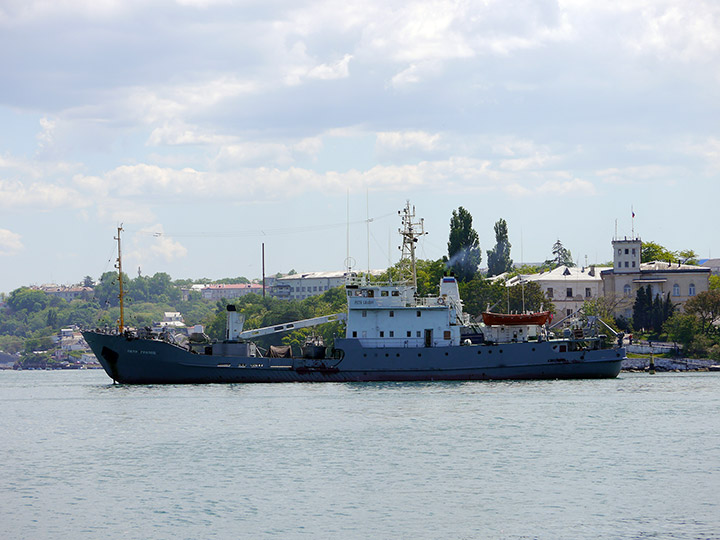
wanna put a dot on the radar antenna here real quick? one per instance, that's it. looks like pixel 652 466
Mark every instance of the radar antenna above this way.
pixel 411 232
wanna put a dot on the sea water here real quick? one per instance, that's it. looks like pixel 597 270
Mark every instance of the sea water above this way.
pixel 636 457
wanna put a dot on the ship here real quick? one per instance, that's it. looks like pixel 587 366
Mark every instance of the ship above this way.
pixel 391 334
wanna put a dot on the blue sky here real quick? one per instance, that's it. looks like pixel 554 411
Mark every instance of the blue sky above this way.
pixel 207 127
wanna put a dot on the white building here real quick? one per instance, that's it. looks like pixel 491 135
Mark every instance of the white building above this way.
pixel 65 292
pixel 235 290
pixel 567 287
pixel 301 286
pixel 621 282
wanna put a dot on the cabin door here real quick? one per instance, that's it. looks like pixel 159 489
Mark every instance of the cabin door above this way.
pixel 428 337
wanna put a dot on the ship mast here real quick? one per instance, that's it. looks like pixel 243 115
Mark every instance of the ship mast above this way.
pixel 121 295
pixel 411 231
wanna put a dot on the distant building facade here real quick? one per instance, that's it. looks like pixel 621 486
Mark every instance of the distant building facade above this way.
pixel 301 286
pixel 567 287
pixel 628 274
pixel 713 265
pixel 234 290
pixel 65 292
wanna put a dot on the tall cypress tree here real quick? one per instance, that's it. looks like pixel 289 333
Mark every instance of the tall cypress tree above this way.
pixel 463 246
pixel 640 308
pixel 499 260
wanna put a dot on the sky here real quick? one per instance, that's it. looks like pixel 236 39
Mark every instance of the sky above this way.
pixel 208 128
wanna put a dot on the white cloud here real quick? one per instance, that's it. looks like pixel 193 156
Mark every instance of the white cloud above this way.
pixel 576 186
pixel 39 195
pixel 46 136
pixel 406 140
pixel 708 150
pixel 645 174
pixel 10 242
pixel 178 133
pixel 686 32
pixel 168 249
pixel 338 70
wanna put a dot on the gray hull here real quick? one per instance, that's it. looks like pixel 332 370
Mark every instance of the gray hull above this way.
pixel 141 361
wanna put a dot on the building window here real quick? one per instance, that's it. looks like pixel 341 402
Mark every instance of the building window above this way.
pixel 627 264
pixel 633 251
pixel 354 333
pixel 676 290
pixel 382 334
pixel 383 293
pixel 417 334
pixel 627 251
pixel 409 333
pixel 627 290
pixel 588 292
pixel 550 292
pixel 568 293
pixel 418 313
pixel 392 333
pixel 396 293
pixel 619 264
pixel 392 313
pixel 568 312
pixel 364 313
pixel 619 251
pixel 691 291
pixel 633 264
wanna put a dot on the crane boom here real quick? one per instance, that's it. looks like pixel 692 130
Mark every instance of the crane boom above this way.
pixel 284 327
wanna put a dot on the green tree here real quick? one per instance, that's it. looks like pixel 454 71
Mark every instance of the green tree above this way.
pixel 714 283
pixel 652 251
pixel 52 318
pixel 642 307
pixel 706 307
pixel 499 260
pixel 528 296
pixel 464 255
pixel 687 256
pixel 561 257
pixel 479 293
pixel 27 299
pixel 682 328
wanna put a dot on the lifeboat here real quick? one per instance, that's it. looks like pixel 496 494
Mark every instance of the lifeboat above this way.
pixel 516 319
